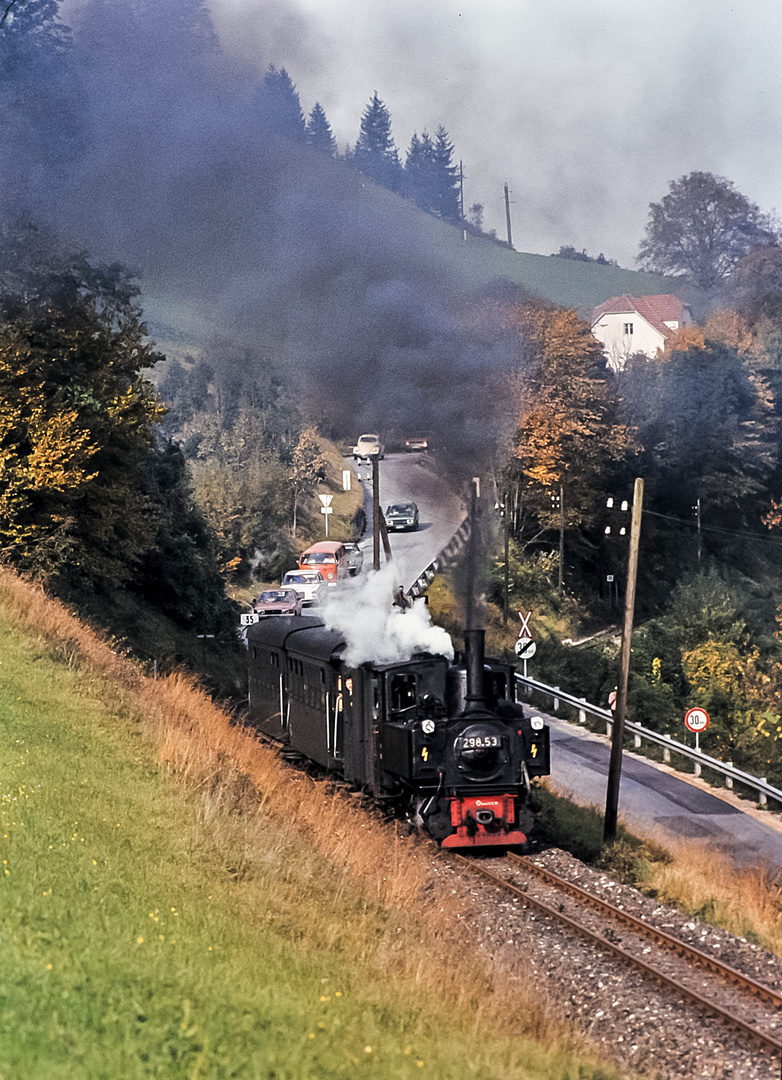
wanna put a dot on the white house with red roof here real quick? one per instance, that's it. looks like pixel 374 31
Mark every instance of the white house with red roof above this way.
pixel 626 325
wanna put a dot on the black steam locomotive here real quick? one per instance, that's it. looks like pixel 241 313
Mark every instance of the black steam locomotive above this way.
pixel 446 739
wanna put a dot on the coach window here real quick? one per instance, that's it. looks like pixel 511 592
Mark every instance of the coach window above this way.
pixel 402 692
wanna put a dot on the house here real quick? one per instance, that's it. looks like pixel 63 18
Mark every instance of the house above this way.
pixel 626 325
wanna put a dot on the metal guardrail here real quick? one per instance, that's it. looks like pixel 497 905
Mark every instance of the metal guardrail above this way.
pixel 444 558
pixel 640 733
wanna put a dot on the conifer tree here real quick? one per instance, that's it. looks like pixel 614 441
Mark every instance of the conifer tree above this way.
pixel 419 172
pixel 446 178
pixel 319 133
pixel 280 105
pixel 375 152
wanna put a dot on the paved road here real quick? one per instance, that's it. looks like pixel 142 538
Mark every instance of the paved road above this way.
pixel 406 477
pixel 655 802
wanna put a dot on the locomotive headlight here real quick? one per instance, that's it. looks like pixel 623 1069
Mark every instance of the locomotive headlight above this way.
pixel 536 722
pixel 427 726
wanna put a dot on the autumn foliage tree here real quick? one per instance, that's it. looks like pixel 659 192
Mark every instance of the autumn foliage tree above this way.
pixel 78 414
pixel 568 430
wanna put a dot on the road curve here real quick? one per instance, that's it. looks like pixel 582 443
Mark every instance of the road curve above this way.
pixel 405 478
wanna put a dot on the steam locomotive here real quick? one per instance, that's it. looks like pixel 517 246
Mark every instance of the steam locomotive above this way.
pixel 444 739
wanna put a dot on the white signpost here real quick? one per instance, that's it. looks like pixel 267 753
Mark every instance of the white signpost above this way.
pixel 696 720
pixel 326 509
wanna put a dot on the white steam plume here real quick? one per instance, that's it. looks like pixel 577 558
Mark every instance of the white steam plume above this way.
pixel 360 608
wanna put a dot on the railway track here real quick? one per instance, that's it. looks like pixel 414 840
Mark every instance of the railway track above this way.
pixel 715 987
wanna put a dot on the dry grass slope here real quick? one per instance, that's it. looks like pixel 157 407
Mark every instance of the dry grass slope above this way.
pixel 238 784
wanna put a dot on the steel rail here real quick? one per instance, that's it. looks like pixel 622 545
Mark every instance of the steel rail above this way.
pixel 604 943
pixel 675 944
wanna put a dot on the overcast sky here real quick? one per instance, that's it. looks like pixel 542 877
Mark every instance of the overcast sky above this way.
pixel 586 108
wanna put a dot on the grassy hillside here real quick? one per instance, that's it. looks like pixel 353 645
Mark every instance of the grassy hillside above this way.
pixel 396 225
pixel 177 904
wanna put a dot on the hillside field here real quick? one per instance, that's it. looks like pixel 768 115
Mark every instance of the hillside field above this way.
pixel 176 904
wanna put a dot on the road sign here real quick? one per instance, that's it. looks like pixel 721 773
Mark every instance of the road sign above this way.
pixel 326 499
pixel 248 620
pixel 327 509
pixel 696 720
pixel 525 648
pixel 524 624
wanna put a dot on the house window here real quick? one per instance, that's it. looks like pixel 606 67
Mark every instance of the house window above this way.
pixel 628 328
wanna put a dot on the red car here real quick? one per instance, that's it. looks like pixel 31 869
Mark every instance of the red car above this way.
pixel 278 602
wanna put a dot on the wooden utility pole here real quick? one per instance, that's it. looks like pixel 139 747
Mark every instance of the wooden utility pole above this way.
pixel 561 581
pixel 617 735
pixel 507 217
pixel 506 530
pixel 379 530
pixel 461 200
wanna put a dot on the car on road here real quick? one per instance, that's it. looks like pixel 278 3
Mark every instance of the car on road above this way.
pixel 367 447
pixel 417 443
pixel 355 559
pixel 403 516
pixel 278 602
pixel 305 583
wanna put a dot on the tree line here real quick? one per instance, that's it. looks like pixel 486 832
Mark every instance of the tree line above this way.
pixel 429 175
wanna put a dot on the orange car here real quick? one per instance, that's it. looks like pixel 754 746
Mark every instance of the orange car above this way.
pixel 330 557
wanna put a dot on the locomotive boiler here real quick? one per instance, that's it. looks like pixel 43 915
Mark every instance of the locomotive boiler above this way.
pixel 446 739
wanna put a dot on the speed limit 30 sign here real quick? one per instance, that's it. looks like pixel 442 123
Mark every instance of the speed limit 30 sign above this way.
pixel 696 719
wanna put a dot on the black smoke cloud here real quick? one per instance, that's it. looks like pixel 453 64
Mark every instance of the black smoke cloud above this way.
pixel 242 237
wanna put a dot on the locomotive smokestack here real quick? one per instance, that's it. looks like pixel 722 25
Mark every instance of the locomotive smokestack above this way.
pixel 474 648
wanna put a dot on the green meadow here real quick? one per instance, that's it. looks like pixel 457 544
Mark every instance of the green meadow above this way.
pixel 150 927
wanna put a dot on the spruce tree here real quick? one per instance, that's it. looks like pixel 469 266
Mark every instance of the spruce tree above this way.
pixel 375 153
pixel 319 133
pixel 419 172
pixel 280 105
pixel 446 178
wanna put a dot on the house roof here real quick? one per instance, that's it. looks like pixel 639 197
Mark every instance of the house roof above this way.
pixel 657 310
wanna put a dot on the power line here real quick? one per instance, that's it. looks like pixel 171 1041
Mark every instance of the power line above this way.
pixel 717 529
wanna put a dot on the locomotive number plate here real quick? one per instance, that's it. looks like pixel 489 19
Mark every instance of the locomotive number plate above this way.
pixel 477 742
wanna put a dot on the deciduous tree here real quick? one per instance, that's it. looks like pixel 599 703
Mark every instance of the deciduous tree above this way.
pixel 702 228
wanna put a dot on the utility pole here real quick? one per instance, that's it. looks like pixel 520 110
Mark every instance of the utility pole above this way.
pixel 507 217
pixel 697 509
pixel 379 530
pixel 560 582
pixel 506 530
pixel 617 735
pixel 461 199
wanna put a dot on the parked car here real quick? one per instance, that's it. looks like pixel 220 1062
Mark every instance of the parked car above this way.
pixel 306 583
pixel 355 559
pixel 417 443
pixel 401 516
pixel 278 602
pixel 368 446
